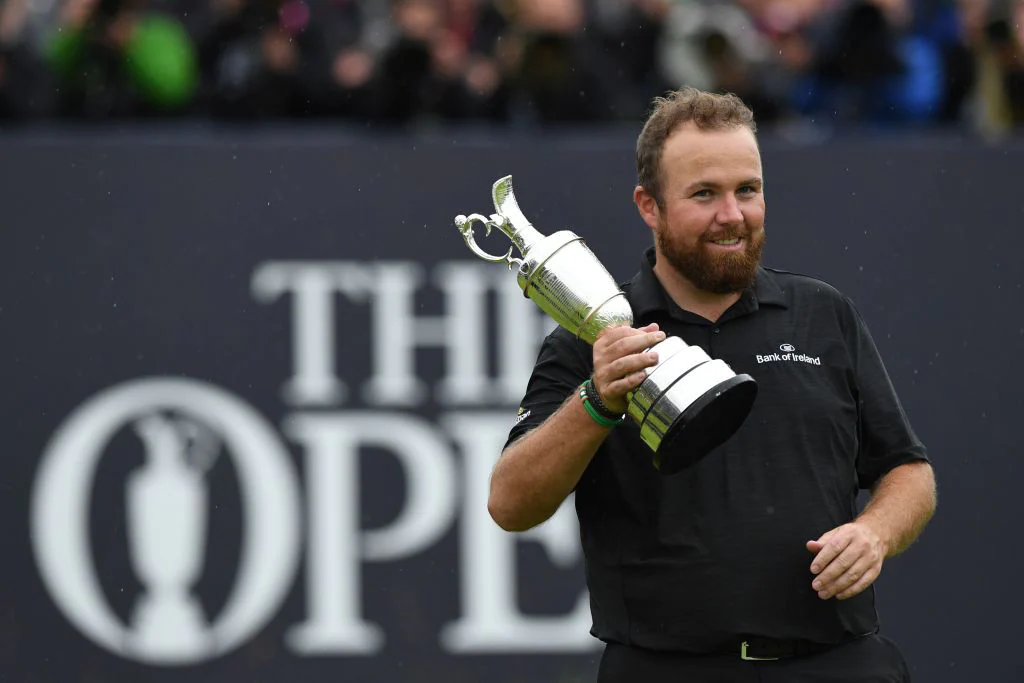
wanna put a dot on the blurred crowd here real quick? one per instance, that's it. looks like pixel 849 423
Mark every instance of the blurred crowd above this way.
pixel 512 62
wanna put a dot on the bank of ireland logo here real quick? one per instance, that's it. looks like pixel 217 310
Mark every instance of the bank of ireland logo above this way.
pixel 787 353
pixel 181 424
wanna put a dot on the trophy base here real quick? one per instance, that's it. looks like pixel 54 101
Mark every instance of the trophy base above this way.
pixel 688 405
pixel 705 424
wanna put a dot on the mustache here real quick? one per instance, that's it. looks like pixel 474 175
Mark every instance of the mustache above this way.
pixel 746 233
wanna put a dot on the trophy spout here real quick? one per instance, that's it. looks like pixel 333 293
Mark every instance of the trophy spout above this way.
pixel 517 228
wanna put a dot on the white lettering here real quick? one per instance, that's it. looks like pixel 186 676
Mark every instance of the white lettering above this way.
pixel 465 286
pixel 492 621
pixel 398 331
pixel 461 331
pixel 314 380
pixel 332 444
pixel 793 357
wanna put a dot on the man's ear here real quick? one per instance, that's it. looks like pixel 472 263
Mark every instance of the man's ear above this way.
pixel 647 205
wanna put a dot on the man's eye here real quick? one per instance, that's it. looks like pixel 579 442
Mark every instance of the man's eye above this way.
pixel 702 194
pixel 748 189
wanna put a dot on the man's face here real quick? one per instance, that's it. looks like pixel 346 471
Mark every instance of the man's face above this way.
pixel 710 225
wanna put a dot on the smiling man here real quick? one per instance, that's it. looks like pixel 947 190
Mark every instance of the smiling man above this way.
pixel 754 564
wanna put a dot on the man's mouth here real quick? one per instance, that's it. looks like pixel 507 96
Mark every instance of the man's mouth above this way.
pixel 727 243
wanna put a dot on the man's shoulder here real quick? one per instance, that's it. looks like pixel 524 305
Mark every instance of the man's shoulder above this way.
pixel 803 288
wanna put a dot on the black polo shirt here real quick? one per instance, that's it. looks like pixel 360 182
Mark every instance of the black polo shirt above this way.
pixel 696 560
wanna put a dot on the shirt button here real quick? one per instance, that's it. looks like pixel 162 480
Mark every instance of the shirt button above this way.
pixel 716 330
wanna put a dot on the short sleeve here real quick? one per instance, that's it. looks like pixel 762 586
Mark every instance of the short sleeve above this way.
pixel 886 437
pixel 562 364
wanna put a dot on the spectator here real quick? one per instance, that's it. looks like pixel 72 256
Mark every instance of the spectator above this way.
pixel 113 59
pixel 261 59
pixel 1000 46
pixel 871 63
pixel 557 71
pixel 527 62
pixel 432 60
pixel 634 36
pixel 23 78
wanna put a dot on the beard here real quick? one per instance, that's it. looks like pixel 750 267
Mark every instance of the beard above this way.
pixel 716 273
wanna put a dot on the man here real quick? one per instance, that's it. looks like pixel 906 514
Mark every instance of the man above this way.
pixel 753 564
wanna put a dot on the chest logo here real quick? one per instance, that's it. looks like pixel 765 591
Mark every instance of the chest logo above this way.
pixel 787 353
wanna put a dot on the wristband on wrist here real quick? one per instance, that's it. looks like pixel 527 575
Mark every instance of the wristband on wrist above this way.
pixel 596 408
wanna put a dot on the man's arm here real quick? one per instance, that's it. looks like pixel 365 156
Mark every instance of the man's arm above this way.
pixel 901 504
pixel 537 472
pixel 849 558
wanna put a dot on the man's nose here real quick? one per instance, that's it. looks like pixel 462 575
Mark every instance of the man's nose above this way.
pixel 729 212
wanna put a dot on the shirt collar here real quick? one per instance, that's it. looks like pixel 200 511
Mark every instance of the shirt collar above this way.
pixel 647 295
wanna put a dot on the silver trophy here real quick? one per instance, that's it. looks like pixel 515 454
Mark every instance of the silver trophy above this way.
pixel 688 404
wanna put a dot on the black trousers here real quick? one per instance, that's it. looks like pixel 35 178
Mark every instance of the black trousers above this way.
pixel 871 659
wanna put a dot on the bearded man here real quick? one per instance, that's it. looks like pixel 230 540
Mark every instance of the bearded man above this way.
pixel 755 563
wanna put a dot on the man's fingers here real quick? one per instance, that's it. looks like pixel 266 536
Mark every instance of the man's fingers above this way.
pixel 621 387
pixel 852 582
pixel 827 536
pixel 839 565
pixel 846 561
pixel 610 335
pixel 860 585
pixel 816 546
pixel 833 548
pixel 620 358
pixel 634 343
pixel 632 363
pixel 616 332
pixel 827 586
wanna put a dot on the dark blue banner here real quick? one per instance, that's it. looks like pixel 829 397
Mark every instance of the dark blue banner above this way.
pixel 254 386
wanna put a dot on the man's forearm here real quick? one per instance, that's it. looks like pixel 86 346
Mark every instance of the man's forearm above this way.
pixel 900 506
pixel 536 473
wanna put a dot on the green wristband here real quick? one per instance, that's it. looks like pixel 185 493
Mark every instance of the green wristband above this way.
pixel 595 401
pixel 593 412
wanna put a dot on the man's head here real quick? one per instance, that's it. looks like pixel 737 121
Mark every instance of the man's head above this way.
pixel 700 188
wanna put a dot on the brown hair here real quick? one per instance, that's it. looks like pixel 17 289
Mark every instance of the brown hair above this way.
pixel 706 110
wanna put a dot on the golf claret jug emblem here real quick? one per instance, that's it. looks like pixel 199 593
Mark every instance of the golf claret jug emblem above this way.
pixel 688 404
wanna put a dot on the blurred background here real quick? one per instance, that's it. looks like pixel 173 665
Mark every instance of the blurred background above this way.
pixel 252 382
pixel 945 64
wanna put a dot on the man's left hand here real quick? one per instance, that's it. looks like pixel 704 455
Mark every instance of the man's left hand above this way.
pixel 847 560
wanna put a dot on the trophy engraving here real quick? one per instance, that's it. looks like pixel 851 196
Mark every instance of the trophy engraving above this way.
pixel 167 508
pixel 688 404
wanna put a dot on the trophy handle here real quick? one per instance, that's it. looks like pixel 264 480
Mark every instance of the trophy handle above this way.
pixel 465 226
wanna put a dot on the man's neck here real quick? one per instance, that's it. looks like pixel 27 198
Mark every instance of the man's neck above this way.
pixel 687 296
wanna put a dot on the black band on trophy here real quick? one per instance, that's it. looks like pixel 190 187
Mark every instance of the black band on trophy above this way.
pixel 595 400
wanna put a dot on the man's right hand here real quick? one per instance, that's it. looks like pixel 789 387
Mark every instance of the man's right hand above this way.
pixel 620 360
